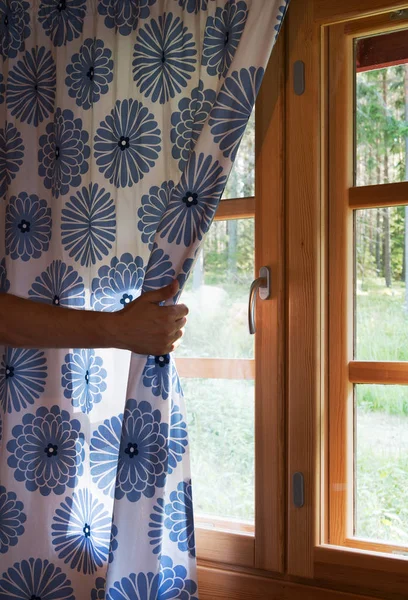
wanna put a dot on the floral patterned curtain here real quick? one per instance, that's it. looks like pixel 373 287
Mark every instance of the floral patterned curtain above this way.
pixel 119 124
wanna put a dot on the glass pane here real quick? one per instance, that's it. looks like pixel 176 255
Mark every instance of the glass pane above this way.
pixel 220 416
pixel 381 298
pixel 241 182
pixel 381 463
pixel 381 108
pixel 217 294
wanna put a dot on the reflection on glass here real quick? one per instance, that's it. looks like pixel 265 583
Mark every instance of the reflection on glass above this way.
pixel 217 294
pixel 241 182
pixel 220 415
pixel 381 109
pixel 381 292
pixel 381 463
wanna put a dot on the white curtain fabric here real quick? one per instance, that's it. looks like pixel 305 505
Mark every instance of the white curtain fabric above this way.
pixel 119 124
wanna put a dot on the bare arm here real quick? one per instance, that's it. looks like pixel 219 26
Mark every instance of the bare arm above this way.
pixel 143 326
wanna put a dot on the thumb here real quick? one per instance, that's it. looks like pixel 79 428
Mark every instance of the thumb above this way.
pixel 164 293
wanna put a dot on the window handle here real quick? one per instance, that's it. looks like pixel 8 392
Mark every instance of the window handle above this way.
pixel 263 284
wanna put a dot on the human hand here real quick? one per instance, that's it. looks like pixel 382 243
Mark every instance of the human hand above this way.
pixel 145 327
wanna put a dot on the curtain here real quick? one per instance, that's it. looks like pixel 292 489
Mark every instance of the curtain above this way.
pixel 119 124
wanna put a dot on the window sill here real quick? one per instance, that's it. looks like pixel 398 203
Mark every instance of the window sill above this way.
pixel 362 571
pixel 225 547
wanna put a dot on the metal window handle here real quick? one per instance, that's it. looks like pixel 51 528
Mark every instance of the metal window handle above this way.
pixel 263 284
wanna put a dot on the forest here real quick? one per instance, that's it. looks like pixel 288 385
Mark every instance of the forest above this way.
pixel 221 412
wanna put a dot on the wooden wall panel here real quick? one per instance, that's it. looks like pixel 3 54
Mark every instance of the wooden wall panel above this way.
pixel 215 584
pixel 270 314
pixel 303 290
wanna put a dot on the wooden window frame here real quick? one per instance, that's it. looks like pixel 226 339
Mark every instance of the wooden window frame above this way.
pixel 344 198
pixel 223 543
pixel 320 199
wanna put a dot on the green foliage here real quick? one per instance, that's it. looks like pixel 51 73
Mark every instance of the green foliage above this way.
pixel 381 476
pixel 221 431
pixel 219 254
pixel 381 131
pixel 221 412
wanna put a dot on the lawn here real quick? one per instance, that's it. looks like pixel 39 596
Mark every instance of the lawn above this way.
pixel 221 413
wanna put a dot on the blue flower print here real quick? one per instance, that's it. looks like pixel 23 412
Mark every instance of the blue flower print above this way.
pixel 180 520
pixel 63 153
pixel 104 451
pixel 11 156
pixel 90 73
pixel 153 206
pixel 194 201
pixel 62 20
pixel 156 375
pixel 159 272
pixel 14 27
pixel 28 226
pixel 113 543
pixel 31 86
pixel 222 36
pixel 159 374
pixel 142 464
pixel 83 379
pixel 47 451
pixel 118 284
pixel 156 526
pixel 193 6
pixel 233 108
pixel 164 58
pixel 170 583
pixel 98 592
pixel 184 275
pixel 2 89
pixel 23 373
pixel 12 518
pixel 188 122
pixel 124 15
pixel 60 285
pixel 81 532
pixel 4 282
pixel 178 437
pixel 88 225
pixel 280 16
pixel 127 143
pixel 173 580
pixel 35 579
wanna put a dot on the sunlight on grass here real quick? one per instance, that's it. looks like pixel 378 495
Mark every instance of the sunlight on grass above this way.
pixel 381 451
pixel 221 428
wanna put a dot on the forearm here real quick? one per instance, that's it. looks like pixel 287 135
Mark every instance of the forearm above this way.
pixel 28 324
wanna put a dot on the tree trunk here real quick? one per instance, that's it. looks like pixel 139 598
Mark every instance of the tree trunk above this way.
pixel 386 211
pixel 406 208
pixel 378 243
pixel 232 246
pixel 387 247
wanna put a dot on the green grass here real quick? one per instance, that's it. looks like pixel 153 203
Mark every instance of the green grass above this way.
pixel 382 322
pixel 217 322
pixel 382 477
pixel 220 416
pixel 221 413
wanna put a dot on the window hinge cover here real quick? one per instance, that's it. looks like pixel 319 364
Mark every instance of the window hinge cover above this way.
pixel 399 14
pixel 298 485
pixel 299 84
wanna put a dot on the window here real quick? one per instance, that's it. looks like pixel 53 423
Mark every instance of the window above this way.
pixel 346 199
pixel 368 314
pixel 229 376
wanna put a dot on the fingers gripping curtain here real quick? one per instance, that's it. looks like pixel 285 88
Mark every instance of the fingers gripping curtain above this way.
pixel 120 122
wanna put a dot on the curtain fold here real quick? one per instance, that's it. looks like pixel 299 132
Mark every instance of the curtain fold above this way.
pixel 119 124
